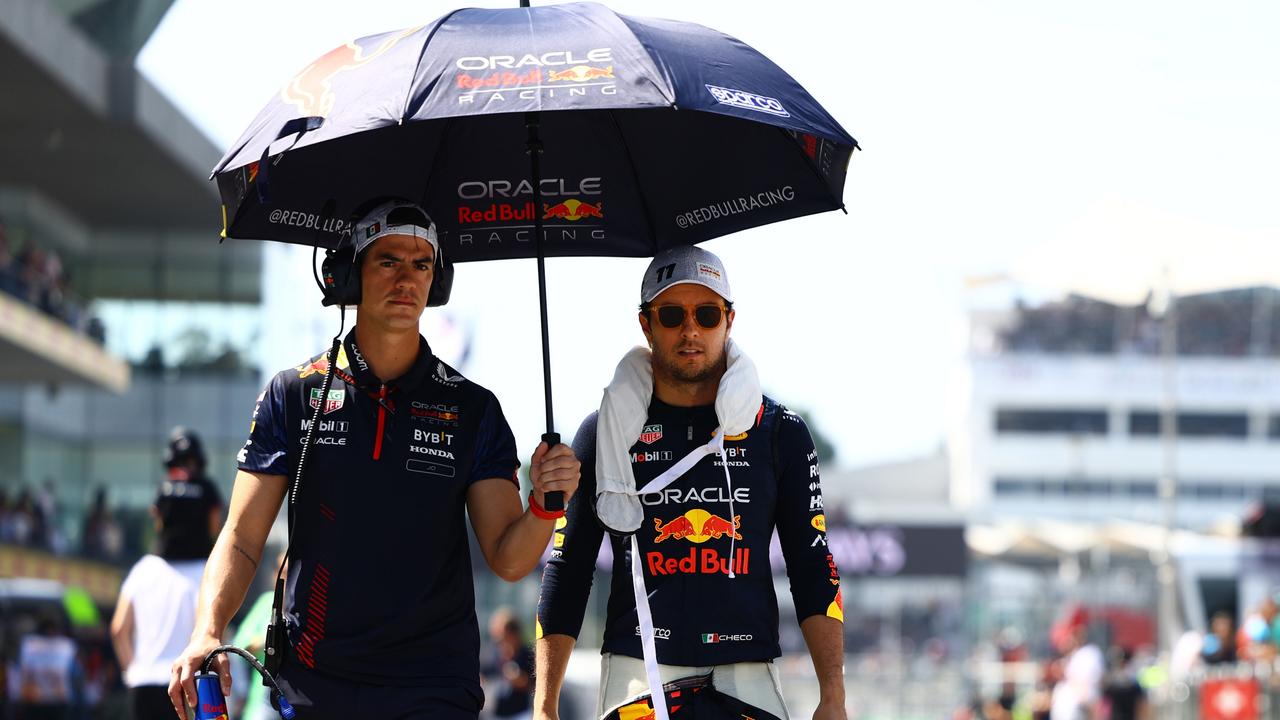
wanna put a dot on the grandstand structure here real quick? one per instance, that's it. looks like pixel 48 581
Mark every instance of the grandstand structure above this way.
pixel 111 229
pixel 1061 411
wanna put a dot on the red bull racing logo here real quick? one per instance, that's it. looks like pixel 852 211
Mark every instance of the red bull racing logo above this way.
pixel 573 210
pixel 311 91
pixel 580 73
pixel 320 365
pixel 698 526
pixel 495 79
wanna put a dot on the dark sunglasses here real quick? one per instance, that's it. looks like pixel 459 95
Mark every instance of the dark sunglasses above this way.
pixel 672 316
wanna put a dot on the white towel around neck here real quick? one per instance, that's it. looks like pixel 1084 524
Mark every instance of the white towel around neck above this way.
pixel 623 411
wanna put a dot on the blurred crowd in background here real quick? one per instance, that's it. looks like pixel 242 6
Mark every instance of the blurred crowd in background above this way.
pixel 1230 323
pixel 36 276
pixel 31 519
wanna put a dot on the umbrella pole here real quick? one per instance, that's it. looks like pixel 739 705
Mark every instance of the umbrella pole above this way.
pixel 554 500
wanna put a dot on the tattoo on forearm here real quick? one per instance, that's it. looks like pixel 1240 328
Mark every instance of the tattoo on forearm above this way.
pixel 246 555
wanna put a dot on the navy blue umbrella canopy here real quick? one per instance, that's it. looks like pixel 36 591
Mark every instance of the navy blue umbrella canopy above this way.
pixel 654 133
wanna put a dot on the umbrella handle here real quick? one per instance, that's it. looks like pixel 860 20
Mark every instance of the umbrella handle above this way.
pixel 552 501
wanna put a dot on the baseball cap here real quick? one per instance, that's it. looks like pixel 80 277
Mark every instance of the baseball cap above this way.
pixel 681 265
pixel 394 217
pixel 183 445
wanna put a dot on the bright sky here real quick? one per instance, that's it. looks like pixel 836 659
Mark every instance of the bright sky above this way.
pixel 997 134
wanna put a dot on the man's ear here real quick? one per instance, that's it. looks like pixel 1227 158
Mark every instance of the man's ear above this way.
pixel 728 321
pixel 644 327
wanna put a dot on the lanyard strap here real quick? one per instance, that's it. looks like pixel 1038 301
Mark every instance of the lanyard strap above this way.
pixel 650 651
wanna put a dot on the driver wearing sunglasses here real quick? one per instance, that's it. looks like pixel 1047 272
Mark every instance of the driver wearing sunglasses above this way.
pixel 702 540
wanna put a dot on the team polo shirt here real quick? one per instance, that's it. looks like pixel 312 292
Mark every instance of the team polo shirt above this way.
pixel 379 587
pixel 690 539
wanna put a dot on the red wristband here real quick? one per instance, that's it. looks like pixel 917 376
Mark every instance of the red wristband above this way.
pixel 539 512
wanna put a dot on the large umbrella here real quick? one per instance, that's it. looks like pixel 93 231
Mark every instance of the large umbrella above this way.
pixel 560 130
pixel 565 130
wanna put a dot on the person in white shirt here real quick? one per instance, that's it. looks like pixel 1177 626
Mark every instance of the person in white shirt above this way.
pixel 156 611
pixel 1076 696
pixel 46 681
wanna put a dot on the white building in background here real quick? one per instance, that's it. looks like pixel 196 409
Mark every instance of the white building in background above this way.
pixel 1056 415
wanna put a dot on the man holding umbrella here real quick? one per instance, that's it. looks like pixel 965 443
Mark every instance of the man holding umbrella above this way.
pixel 380 611
pixel 698 560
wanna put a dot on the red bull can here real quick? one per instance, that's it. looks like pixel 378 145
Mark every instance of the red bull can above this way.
pixel 210 704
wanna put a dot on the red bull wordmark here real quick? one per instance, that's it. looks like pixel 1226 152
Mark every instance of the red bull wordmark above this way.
pixel 699 561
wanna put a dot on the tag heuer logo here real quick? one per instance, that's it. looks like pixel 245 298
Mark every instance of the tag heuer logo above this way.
pixel 651 434
pixel 336 398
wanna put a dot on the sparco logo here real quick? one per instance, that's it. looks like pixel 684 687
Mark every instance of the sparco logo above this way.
pixel 658 633
pixel 553 58
pixel 748 101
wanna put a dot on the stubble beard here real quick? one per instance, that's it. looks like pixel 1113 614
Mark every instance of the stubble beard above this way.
pixel 676 372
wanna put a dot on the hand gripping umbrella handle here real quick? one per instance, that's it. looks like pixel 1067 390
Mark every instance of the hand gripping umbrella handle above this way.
pixel 552 501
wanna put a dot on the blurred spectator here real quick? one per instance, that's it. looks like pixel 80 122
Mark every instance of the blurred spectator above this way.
pixel 20 520
pixel 185 462
pixel 46 534
pixel 8 266
pixel 102 538
pixel 1076 696
pixel 1122 696
pixel 1040 700
pixel 6 514
pixel 508 673
pixel 156 611
pixel 1220 644
pixel 39 278
pixel 994 709
pixel 47 675
pixel 1256 639
pixel 30 274
pixel 1012 650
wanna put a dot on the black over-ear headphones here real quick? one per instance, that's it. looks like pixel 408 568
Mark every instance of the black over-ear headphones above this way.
pixel 340 271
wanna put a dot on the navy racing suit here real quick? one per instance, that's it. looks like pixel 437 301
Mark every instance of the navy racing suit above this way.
pixel 702 617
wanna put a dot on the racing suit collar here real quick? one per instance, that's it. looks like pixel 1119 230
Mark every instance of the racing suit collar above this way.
pixel 695 412
pixel 366 380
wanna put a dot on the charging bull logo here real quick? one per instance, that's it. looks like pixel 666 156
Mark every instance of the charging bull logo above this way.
pixel 580 73
pixel 311 91
pixel 572 210
pixel 697 526
pixel 320 365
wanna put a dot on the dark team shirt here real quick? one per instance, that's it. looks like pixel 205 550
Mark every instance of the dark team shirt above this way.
pixel 508 701
pixel 184 505
pixel 379 587
pixel 701 615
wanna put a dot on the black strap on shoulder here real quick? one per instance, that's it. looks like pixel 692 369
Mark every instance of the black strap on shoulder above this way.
pixel 275 639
